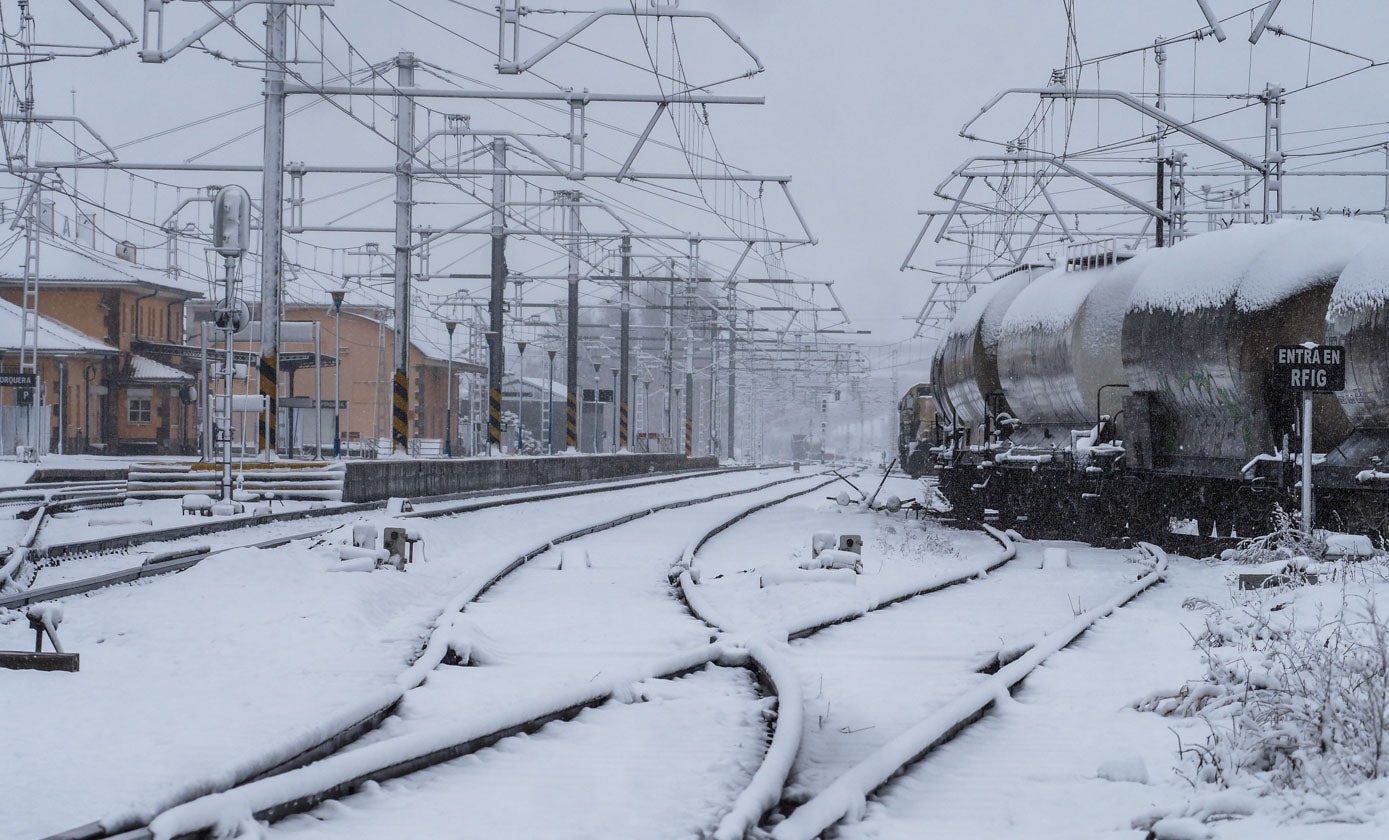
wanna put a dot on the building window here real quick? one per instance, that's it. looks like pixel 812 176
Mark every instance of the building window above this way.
pixel 139 406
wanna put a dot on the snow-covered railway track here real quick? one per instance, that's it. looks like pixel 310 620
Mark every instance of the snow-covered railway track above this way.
pixel 916 676
pixel 180 548
pixel 933 677
pixel 136 538
pixel 361 717
pixel 845 796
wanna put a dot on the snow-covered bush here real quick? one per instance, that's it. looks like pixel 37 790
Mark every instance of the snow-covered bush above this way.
pixel 1291 702
pixel 1285 542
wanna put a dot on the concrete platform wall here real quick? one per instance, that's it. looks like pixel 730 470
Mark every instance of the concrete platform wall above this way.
pixel 369 481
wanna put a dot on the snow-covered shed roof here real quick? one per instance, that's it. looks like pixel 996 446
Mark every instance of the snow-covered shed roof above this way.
pixel 54 337
pixel 145 369
pixel 65 261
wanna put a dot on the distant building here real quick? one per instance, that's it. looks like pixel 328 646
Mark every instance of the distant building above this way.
pixel 367 366
pixel 104 320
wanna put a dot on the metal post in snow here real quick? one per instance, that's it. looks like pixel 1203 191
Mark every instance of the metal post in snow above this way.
pixel 520 394
pixel 617 434
pixel 318 389
pixel 404 214
pixel 550 407
pixel 571 362
pixel 496 306
pixel 337 295
pixel 448 394
pixel 625 351
pixel 1307 511
pixel 272 221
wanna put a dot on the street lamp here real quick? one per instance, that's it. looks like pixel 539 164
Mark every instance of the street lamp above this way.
pixel 597 408
pixel 646 409
pixel 520 393
pixel 550 406
pixel 632 428
pixel 337 295
pixel 448 394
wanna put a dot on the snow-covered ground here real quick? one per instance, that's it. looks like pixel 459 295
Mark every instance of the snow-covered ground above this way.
pixel 201 670
pixel 190 673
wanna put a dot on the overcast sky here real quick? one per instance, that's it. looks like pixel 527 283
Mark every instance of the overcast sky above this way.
pixel 864 100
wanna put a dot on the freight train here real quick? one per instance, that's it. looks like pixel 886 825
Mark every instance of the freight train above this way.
pixel 917 430
pixel 1114 394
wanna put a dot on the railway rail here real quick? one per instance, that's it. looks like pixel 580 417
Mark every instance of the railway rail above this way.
pixel 175 559
pixel 285 776
pixel 304 775
pixel 767 808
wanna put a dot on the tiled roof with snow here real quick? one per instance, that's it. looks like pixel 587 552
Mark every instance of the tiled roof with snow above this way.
pixel 54 337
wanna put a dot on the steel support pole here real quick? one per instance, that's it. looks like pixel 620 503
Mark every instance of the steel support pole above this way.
pixel 337 377
pixel 689 392
pixel 571 362
pixel 272 223
pixel 496 305
pixel 624 437
pixel 228 371
pixel 317 389
pixel 732 368
pixel 1307 511
pixel 448 397
pixel 550 408
pixel 404 212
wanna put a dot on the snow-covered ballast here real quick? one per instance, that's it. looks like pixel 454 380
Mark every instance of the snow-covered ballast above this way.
pixel 1144 390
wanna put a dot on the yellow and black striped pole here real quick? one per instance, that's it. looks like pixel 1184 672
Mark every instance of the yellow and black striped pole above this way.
pixel 571 420
pixel 400 412
pixel 689 437
pixel 494 419
pixel 270 390
pixel 624 440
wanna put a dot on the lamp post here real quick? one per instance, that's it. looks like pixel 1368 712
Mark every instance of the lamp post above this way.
pixel 678 424
pixel 520 393
pixel 448 394
pixel 491 337
pixel 633 429
pixel 337 295
pixel 597 408
pixel 646 409
pixel 550 408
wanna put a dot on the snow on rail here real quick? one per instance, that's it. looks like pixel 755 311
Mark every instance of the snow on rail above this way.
pixel 348 723
pixel 845 797
pixel 337 775
pixel 763 791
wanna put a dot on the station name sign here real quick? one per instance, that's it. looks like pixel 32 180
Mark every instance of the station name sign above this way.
pixel 18 380
pixel 1310 367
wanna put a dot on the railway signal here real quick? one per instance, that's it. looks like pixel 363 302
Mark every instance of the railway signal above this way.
pixel 1309 368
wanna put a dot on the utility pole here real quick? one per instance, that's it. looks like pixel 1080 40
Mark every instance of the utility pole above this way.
pixel 689 392
pixel 1273 152
pixel 272 222
pixel 497 302
pixel 404 214
pixel 571 362
pixel 732 369
pixel 625 350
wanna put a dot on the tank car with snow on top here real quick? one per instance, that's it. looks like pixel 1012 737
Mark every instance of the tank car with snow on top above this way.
pixel 1111 396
